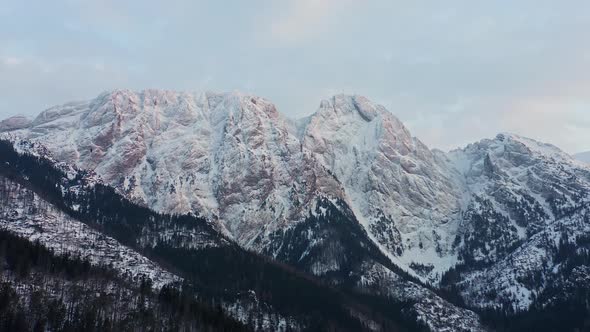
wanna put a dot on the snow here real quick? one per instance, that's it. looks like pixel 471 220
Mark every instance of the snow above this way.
pixel 387 174
pixel 14 123
pixel 435 312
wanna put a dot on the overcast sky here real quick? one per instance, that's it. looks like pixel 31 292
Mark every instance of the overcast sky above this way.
pixel 453 71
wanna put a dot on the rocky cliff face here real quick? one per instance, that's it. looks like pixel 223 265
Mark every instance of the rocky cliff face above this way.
pixel 230 157
pixel 405 196
pixel 523 199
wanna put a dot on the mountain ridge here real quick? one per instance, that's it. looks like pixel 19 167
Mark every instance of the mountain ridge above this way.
pixel 240 128
pixel 292 189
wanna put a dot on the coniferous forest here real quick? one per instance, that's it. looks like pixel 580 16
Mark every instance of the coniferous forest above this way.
pixel 41 291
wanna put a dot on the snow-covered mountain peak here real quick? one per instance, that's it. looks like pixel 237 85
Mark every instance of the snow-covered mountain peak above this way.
pixel 399 189
pixel 343 105
pixel 508 152
pixel 535 147
pixel 358 123
pixel 14 123
pixel 355 108
pixel 229 156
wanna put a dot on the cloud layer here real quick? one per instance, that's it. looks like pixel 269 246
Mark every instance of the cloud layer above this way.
pixel 454 72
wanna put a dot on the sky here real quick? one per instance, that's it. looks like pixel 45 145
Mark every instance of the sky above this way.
pixel 454 72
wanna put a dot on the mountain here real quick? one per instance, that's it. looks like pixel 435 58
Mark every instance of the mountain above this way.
pixel 234 159
pixel 496 230
pixel 284 204
pixel 180 262
pixel 528 200
pixel 404 195
pixel 583 156
pixel 15 122
pixel 225 156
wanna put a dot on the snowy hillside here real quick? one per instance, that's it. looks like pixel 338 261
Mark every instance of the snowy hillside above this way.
pixel 525 197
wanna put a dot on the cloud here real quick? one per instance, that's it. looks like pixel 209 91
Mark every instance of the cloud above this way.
pixel 300 20
pixel 10 61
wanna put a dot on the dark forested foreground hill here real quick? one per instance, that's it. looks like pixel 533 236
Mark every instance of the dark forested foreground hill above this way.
pixel 42 291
